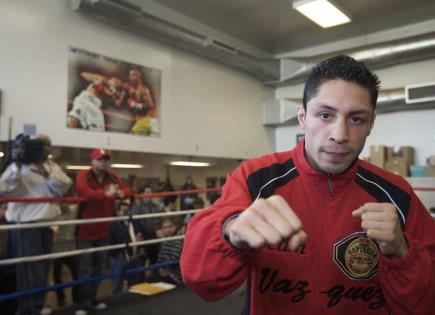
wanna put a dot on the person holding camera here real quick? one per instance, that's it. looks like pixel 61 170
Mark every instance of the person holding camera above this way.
pixel 32 174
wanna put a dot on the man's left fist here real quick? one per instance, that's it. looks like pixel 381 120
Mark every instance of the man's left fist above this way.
pixel 381 223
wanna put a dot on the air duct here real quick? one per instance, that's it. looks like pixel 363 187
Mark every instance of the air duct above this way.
pixel 278 112
pixel 125 15
pixel 375 57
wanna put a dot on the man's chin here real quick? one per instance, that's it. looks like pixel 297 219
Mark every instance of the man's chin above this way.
pixel 334 169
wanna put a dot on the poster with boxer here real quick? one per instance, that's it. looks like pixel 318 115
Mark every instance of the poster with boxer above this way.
pixel 110 95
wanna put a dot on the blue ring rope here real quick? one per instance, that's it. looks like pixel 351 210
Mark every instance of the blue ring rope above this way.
pixel 16 295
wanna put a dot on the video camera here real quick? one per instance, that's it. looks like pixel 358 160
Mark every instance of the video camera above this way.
pixel 29 150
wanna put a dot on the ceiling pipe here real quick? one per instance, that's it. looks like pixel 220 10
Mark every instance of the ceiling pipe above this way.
pixel 125 15
pixel 375 56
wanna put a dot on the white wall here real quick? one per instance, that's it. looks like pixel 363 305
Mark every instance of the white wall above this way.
pixel 415 128
pixel 207 109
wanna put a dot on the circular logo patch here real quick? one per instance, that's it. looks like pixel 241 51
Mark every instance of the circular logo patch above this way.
pixel 357 256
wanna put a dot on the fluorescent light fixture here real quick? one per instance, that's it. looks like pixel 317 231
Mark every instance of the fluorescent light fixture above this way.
pixel 188 163
pixel 1 154
pixel 126 166
pixel 85 167
pixel 78 167
pixel 321 12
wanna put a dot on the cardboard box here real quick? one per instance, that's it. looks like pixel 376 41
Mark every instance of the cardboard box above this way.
pixel 404 152
pixel 378 155
pixel 397 166
pixel 430 161
pixel 430 170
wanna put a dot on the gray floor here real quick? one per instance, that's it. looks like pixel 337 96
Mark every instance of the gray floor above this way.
pixel 179 301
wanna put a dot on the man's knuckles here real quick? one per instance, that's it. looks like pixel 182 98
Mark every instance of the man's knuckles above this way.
pixel 260 205
pixel 282 227
pixel 256 243
pixel 277 201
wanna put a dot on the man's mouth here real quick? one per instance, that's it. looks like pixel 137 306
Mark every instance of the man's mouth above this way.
pixel 336 155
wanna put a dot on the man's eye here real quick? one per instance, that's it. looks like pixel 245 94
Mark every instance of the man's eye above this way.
pixel 357 120
pixel 325 116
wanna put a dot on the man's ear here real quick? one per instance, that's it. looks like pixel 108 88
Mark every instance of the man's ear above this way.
pixel 301 116
pixel 372 122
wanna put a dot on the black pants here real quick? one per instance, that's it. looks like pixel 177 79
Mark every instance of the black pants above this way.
pixel 8 285
pixel 32 275
pixel 152 253
pixel 90 265
pixel 70 262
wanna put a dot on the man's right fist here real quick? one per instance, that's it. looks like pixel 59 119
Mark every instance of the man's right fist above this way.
pixel 266 222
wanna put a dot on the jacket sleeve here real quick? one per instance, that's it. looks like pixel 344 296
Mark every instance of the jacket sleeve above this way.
pixel 57 180
pixel 211 266
pixel 409 282
pixel 84 190
pixel 10 179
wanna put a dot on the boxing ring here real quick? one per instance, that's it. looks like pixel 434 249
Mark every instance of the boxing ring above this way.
pixel 177 301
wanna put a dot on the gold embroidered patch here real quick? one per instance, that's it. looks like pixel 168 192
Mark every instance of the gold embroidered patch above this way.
pixel 357 256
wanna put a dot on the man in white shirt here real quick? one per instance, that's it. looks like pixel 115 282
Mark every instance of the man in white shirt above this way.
pixel 43 178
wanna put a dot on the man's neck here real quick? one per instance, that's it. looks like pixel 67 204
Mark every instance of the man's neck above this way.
pixel 99 174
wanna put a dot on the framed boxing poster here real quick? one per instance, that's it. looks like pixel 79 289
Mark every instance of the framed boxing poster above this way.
pixel 110 95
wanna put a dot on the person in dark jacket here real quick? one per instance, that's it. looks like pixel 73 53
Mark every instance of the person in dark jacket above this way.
pixel 148 227
pixel 121 260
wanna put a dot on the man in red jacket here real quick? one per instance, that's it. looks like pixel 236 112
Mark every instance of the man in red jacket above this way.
pixel 315 230
pixel 101 188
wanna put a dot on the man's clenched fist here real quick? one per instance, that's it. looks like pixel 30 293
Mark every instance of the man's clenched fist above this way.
pixel 381 223
pixel 266 222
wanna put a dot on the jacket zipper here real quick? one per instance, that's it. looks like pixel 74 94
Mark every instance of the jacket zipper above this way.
pixel 324 227
pixel 318 255
pixel 330 186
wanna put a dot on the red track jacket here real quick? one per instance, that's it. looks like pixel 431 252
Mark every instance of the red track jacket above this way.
pixel 340 271
pixel 97 204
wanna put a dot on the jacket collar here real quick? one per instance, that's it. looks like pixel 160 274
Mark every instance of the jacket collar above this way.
pixel 107 176
pixel 338 180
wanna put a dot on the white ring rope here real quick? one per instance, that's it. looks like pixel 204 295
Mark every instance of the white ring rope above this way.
pixel 97 220
pixel 85 251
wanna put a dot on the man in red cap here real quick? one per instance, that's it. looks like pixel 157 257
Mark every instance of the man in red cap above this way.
pixel 100 187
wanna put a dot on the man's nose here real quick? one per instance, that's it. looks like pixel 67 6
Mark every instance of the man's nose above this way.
pixel 340 132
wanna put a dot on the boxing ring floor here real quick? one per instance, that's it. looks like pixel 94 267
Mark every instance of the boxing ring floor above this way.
pixel 179 301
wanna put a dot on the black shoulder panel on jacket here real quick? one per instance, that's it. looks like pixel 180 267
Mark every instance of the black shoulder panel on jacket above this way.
pixel 384 191
pixel 264 181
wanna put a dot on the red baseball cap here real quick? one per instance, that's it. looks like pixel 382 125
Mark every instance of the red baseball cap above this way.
pixel 98 154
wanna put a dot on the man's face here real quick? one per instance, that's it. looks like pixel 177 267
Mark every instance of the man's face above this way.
pixel 134 77
pixel 336 123
pixel 101 165
pixel 122 210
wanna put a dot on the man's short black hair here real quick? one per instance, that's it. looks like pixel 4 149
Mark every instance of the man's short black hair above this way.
pixel 344 68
